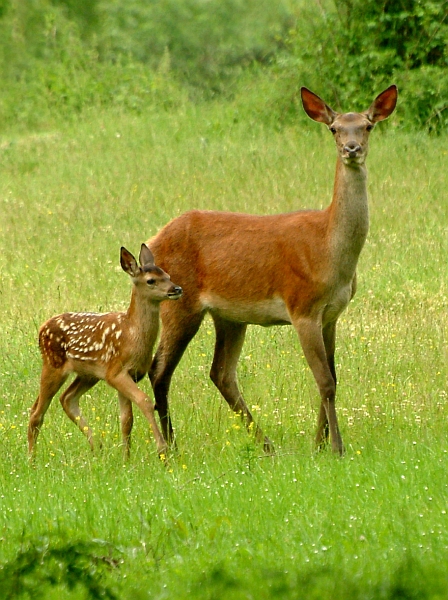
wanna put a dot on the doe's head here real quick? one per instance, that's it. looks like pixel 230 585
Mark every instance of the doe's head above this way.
pixel 149 279
pixel 351 130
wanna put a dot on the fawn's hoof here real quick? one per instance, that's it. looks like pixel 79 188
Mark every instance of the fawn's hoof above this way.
pixel 268 446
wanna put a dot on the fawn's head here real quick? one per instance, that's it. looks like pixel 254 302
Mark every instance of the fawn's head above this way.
pixel 149 280
pixel 351 130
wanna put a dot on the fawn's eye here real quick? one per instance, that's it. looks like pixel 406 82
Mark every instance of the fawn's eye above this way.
pixel 333 130
pixel 151 281
pixel 369 127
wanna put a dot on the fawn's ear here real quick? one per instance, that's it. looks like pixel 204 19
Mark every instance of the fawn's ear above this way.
pixel 383 105
pixel 316 108
pixel 146 257
pixel 128 263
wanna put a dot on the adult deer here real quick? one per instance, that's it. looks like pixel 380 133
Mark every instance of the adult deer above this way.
pixel 116 347
pixel 297 268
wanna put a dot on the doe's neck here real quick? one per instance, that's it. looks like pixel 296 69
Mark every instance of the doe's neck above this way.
pixel 349 216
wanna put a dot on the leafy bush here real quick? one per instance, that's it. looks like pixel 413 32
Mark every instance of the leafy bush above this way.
pixel 206 41
pixel 59 57
pixel 41 565
pixel 411 580
pixel 51 70
pixel 353 49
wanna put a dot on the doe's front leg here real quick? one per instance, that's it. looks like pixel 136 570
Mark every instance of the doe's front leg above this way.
pixel 312 341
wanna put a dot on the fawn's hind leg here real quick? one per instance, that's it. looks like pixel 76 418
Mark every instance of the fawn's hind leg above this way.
pixel 70 404
pixel 51 380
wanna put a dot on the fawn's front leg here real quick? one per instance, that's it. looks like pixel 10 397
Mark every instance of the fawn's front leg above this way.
pixel 125 385
pixel 126 422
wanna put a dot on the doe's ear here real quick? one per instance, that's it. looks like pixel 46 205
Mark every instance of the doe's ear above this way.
pixel 316 108
pixel 383 105
pixel 146 257
pixel 128 263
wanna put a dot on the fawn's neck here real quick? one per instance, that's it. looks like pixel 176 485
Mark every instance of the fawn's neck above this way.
pixel 349 218
pixel 143 319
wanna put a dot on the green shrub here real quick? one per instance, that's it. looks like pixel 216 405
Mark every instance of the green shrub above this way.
pixel 51 71
pixel 353 49
pixel 47 563
pixel 60 57
pixel 207 42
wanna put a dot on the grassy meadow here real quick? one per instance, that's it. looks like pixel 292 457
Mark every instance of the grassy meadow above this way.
pixel 220 520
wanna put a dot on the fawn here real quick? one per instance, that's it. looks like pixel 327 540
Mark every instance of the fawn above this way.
pixel 115 347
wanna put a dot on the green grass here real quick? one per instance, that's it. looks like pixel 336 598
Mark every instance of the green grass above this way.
pixel 221 520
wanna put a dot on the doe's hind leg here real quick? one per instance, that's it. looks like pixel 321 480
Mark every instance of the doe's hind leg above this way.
pixel 228 346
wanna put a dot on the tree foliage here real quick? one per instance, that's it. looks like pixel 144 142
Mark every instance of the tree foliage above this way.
pixel 59 57
pixel 358 47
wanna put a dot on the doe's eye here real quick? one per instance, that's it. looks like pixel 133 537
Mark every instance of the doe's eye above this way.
pixel 151 281
pixel 369 127
pixel 333 130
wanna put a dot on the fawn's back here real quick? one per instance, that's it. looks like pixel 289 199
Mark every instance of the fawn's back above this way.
pixel 79 341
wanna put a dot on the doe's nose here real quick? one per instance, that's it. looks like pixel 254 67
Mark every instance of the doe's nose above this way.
pixel 352 148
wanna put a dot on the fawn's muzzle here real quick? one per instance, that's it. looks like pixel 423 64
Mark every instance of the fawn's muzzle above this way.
pixel 175 293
